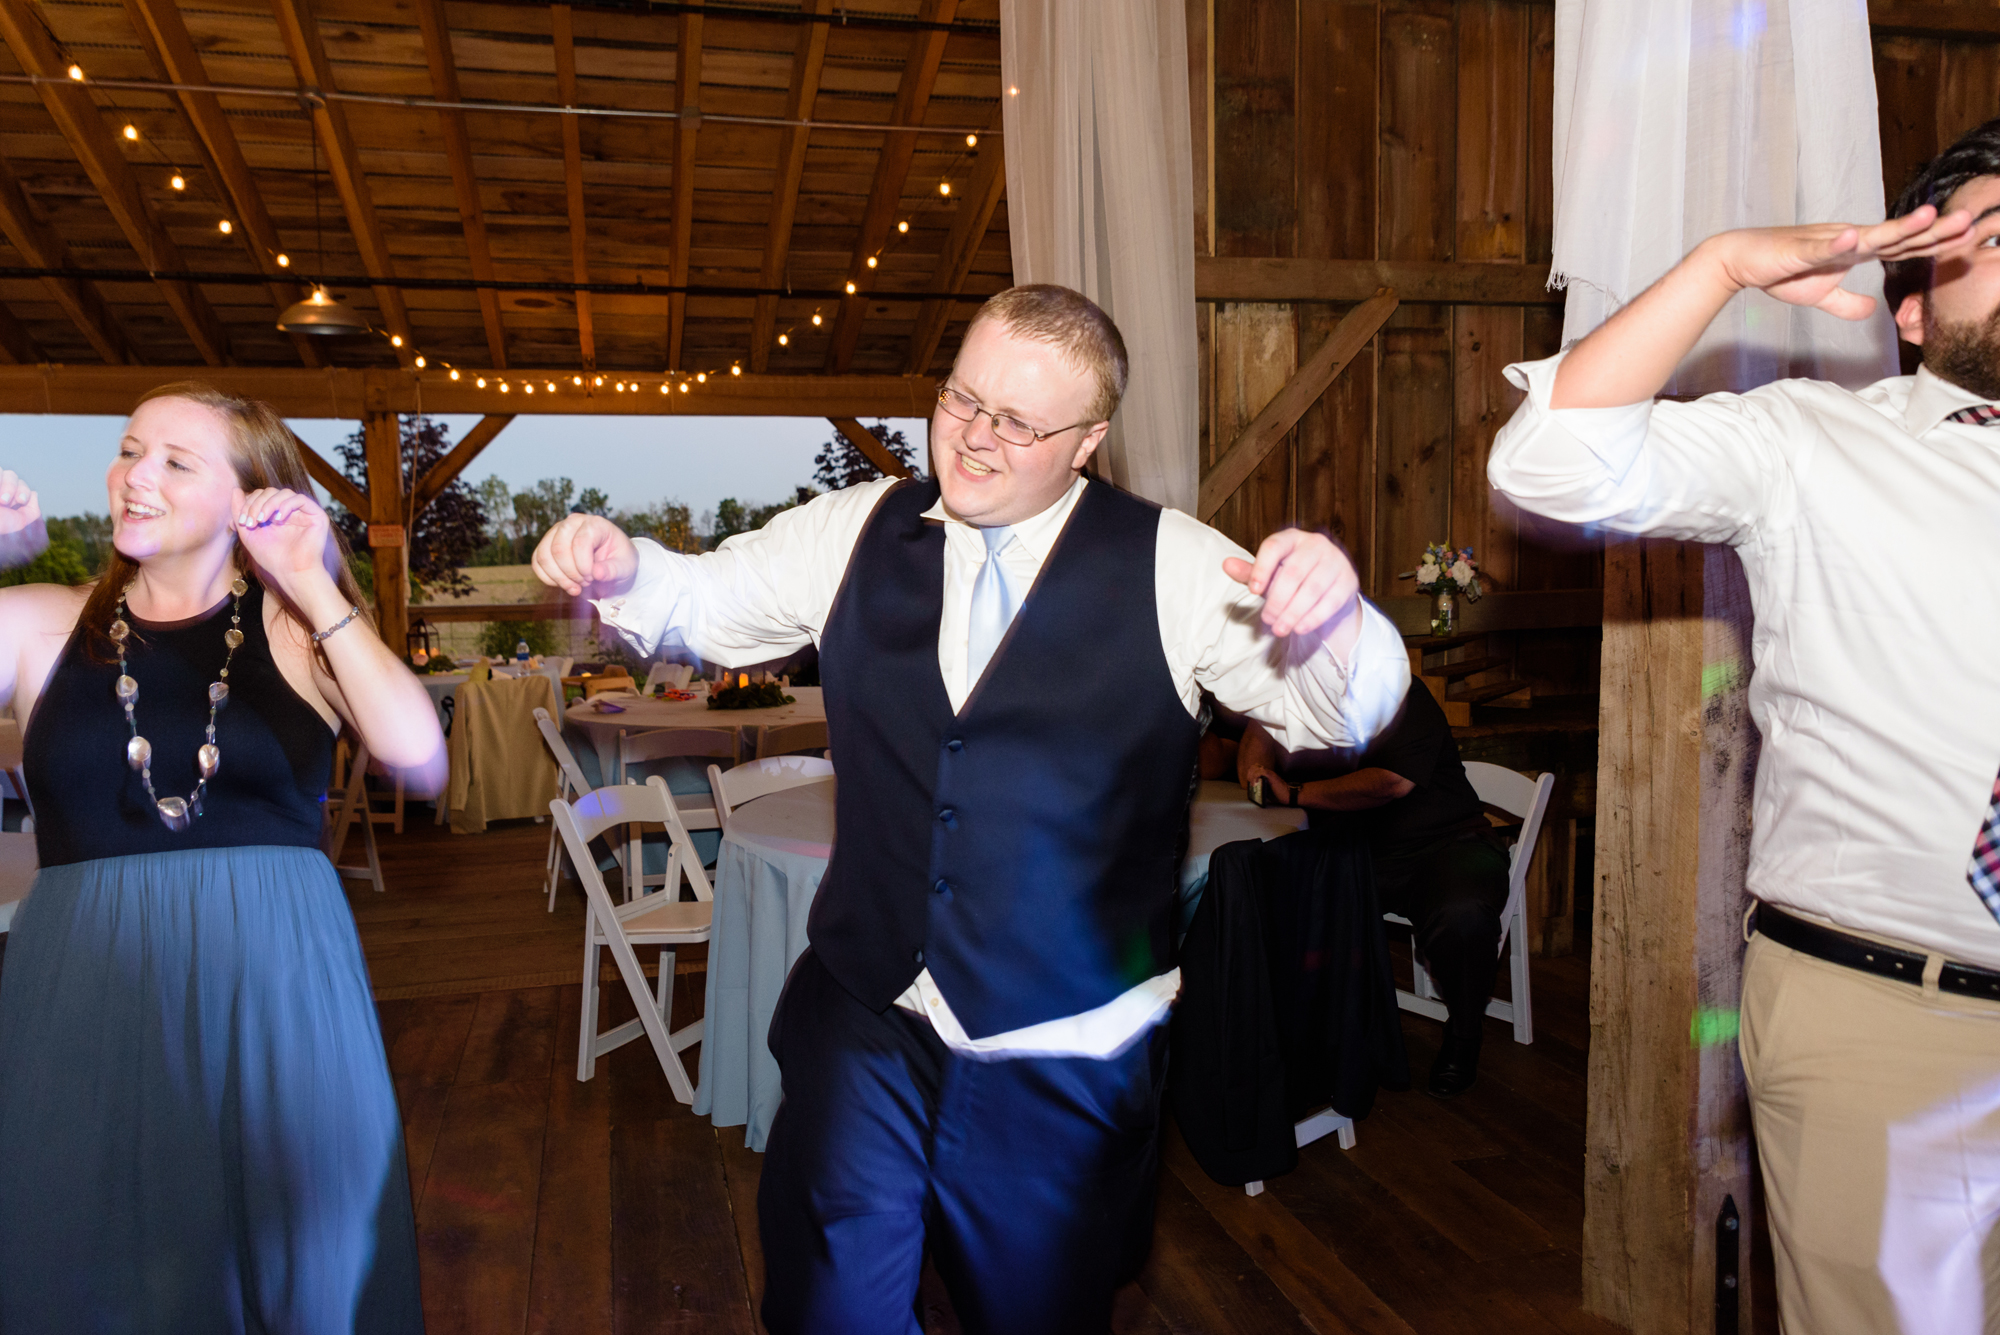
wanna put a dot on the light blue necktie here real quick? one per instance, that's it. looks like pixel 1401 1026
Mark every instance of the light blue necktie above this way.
pixel 993 605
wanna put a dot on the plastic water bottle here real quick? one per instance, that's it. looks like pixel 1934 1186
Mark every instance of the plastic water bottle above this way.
pixel 521 652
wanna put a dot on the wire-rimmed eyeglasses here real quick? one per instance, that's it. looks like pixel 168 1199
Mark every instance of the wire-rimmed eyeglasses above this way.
pixel 1007 430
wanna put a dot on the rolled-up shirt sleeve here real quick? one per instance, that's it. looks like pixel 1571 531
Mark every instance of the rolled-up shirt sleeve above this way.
pixel 1306 697
pixel 760 595
pixel 1714 470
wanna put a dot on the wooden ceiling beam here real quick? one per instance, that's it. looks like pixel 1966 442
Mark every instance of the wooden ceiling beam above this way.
pixel 861 438
pixel 892 172
pixel 687 130
pixel 299 27
pixel 173 55
pixel 808 60
pixel 296 391
pixel 458 151
pixel 42 247
pixel 17 345
pixel 82 125
pixel 961 246
pixel 572 138
pixel 446 470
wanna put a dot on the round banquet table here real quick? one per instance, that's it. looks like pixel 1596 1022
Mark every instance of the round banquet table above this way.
pixel 766 874
pixel 642 714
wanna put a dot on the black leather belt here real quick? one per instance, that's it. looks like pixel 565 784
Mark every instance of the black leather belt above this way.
pixel 1809 938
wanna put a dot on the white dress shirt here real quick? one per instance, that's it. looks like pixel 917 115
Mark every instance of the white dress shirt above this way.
pixel 764 594
pixel 1865 523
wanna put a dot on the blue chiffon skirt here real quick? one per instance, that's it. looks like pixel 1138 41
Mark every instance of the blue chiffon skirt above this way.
pixel 197 1128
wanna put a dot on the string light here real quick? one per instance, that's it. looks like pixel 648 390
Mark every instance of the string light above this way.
pixel 1013 92
pixel 454 376
pixel 284 261
pixel 131 132
pixel 684 387
pixel 871 264
pixel 903 226
pixel 850 289
pixel 503 387
pixel 526 387
pixel 178 182
pixel 701 377
pixel 76 72
pixel 784 340
pixel 815 319
pixel 552 386
pixel 944 187
pixel 597 380
pixel 972 141
pixel 576 380
pixel 736 369
pixel 226 226
pixel 663 387
pixel 481 382
pixel 395 340
pixel 420 361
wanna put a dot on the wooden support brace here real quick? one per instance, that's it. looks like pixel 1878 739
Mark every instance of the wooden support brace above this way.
pixel 864 440
pixel 1282 413
pixel 448 468
pixel 352 498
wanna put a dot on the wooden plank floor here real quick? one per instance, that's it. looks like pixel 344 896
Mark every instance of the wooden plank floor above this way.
pixel 549 1205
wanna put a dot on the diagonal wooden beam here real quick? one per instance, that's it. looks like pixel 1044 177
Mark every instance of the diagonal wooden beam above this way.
pixel 1282 413
pixel 447 469
pixel 82 125
pixel 961 247
pixel 572 133
pixel 807 63
pixel 892 172
pixel 42 247
pixel 299 26
pixel 864 440
pixel 16 344
pixel 165 37
pixel 687 101
pixel 351 497
pixel 458 151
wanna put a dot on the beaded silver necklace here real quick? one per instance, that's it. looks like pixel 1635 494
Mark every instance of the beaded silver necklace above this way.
pixel 177 813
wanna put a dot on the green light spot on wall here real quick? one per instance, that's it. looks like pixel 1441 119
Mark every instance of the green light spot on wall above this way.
pixel 1712 1025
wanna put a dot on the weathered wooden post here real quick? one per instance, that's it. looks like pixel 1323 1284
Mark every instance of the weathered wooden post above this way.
pixel 1668 1136
pixel 388 540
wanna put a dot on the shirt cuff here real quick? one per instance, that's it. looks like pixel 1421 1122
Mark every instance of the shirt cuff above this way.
pixel 642 613
pixel 1347 704
pixel 1615 436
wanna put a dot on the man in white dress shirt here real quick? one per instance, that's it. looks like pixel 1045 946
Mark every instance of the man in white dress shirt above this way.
pixel 1865 521
pixel 1013 657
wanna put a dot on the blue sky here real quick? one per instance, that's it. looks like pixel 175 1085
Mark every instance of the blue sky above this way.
pixel 635 460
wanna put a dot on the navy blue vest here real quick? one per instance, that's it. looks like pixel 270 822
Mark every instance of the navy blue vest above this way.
pixel 1025 849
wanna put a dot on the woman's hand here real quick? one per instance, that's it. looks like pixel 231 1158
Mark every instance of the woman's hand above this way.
pixel 285 535
pixel 19 506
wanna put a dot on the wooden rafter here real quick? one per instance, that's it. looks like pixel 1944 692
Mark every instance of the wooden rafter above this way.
pixel 458 151
pixel 16 344
pixel 300 29
pixel 807 63
pixel 165 37
pixel 42 247
pixel 968 229
pixel 872 449
pixel 82 125
pixel 892 172
pixel 687 101
pixel 446 470
pixel 572 137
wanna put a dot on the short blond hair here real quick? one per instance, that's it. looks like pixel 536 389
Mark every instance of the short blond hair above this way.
pixel 1071 323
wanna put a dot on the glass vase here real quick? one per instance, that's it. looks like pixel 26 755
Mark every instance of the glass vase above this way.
pixel 1444 616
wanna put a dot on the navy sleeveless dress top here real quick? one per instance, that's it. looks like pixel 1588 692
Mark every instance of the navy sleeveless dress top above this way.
pixel 277 752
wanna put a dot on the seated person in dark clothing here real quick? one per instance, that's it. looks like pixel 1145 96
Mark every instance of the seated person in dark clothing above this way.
pixel 1437 860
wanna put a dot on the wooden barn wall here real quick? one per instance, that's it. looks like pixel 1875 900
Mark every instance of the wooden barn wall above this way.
pixel 1393 130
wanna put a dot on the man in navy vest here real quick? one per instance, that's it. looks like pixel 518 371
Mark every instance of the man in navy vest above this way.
pixel 1012 656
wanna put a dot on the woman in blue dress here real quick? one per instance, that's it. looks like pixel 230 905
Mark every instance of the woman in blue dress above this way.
pixel 197 1127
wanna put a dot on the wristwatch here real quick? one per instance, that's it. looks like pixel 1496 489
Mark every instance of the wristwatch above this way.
pixel 1292 795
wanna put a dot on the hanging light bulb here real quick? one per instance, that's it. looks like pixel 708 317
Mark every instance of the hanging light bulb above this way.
pixel 871 264
pixel 972 141
pixel 684 386
pixel 178 181
pixel 420 361
pixel 551 386
pixel 395 340
pixel 76 72
pixel 481 382
pixel 131 132
pixel 664 387
pixel 597 380
pixel 701 377
pixel 525 387
pixel 321 314
pixel 503 387
pixel 284 261
pixel 1013 92
pixel 850 288
pixel 944 187
pixel 784 340
pixel 576 380
pixel 454 374
pixel 226 226
pixel 815 319
pixel 903 226
pixel 736 369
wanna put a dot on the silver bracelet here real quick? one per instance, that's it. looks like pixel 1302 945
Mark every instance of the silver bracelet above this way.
pixel 319 635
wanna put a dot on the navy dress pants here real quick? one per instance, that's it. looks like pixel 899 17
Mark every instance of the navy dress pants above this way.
pixel 1031 1179
pixel 1452 893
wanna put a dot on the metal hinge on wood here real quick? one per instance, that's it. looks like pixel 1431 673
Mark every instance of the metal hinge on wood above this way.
pixel 1728 1250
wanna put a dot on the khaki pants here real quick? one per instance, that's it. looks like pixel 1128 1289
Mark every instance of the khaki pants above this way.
pixel 1877 1112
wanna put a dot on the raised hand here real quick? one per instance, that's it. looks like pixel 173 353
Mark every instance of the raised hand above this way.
pixel 1305 580
pixel 1804 265
pixel 20 508
pixel 285 535
pixel 586 552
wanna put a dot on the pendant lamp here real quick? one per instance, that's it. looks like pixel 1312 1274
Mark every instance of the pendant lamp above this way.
pixel 321 314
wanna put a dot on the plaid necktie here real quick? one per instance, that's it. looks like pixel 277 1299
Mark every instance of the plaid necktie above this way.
pixel 1982 414
pixel 1984 873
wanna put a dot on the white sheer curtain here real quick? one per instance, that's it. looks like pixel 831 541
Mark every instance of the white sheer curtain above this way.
pixel 1677 119
pixel 1100 197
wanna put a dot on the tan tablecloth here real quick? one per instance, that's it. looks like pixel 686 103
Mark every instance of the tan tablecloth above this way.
pixel 500 767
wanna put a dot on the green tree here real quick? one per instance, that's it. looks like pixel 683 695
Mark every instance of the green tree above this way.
pixel 668 523
pixel 839 464
pixel 592 502
pixel 733 516
pixel 61 562
pixel 449 531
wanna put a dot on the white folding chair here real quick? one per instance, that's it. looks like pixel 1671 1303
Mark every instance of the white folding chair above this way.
pixel 660 919
pixel 1517 794
pixel 696 810
pixel 760 778
pixel 346 811
pixel 663 673
pixel 573 786
pixel 783 739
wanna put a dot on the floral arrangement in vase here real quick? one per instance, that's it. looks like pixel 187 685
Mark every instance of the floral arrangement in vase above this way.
pixel 1446 573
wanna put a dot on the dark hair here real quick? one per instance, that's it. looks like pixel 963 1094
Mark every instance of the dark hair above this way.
pixel 1976 154
pixel 1071 323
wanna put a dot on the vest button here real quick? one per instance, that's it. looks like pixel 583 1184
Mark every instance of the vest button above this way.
pixel 942 887
pixel 918 956
pixel 955 744
pixel 946 814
